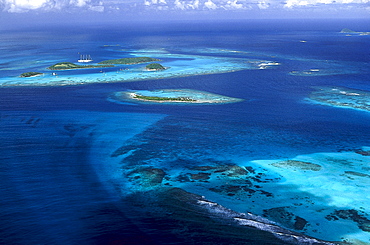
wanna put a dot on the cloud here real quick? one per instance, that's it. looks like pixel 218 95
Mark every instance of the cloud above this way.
pixel 194 4
pixel 263 5
pixel 24 5
pixel 179 4
pixel 97 8
pixel 173 6
pixel 296 3
pixel 79 3
pixel 234 5
pixel 21 6
pixel 334 3
pixel 210 5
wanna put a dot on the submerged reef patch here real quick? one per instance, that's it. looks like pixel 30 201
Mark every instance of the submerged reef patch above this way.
pixel 354 173
pixel 286 218
pixel 296 193
pixel 147 177
pixel 351 214
pixel 297 164
pixel 180 213
pixel 342 97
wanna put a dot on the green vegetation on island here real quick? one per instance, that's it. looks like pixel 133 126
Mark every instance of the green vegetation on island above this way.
pixel 157 98
pixel 129 61
pixel 172 96
pixel 155 67
pixel 69 66
pixel 31 74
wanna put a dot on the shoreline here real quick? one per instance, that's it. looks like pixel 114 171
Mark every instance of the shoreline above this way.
pixel 166 68
pixel 204 65
pixel 38 75
pixel 135 96
pixel 180 96
pixel 109 80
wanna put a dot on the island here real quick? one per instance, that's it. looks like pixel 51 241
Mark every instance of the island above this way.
pixel 129 69
pixel 346 30
pixel 70 66
pixel 158 98
pixel 31 74
pixel 349 31
pixel 155 67
pixel 171 96
pixel 129 61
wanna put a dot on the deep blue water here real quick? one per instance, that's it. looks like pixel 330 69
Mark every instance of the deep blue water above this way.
pixel 55 191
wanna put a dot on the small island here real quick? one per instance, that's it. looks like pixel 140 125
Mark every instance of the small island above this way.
pixel 349 31
pixel 31 74
pixel 346 30
pixel 130 69
pixel 155 67
pixel 129 61
pixel 171 96
pixel 70 66
pixel 158 98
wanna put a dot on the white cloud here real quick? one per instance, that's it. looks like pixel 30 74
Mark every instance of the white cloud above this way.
pixel 79 3
pixel 325 1
pixel 97 8
pixel 194 4
pixel 210 5
pixel 263 5
pixel 180 5
pixel 295 3
pixel 336 3
pixel 162 7
pixel 137 6
pixel 234 5
pixel 154 2
pixel 20 6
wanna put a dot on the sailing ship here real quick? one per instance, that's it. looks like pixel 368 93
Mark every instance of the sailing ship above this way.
pixel 84 58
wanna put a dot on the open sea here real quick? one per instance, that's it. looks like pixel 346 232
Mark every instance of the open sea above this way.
pixel 284 165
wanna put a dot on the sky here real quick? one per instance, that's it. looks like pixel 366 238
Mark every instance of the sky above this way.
pixel 28 11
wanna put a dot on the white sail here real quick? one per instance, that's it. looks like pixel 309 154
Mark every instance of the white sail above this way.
pixel 85 58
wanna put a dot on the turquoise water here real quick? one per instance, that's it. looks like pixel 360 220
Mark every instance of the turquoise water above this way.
pixel 273 168
pixel 342 97
pixel 192 97
pixel 178 65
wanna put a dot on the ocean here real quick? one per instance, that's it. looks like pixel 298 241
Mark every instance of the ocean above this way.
pixel 287 163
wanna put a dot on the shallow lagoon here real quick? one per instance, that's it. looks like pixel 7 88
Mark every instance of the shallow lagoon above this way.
pixel 342 97
pixel 171 96
pixel 178 65
pixel 320 194
pixel 269 159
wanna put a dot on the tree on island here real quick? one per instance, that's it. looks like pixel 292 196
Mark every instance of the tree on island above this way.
pixel 129 61
pixel 69 65
pixel 155 67
pixel 31 74
pixel 158 98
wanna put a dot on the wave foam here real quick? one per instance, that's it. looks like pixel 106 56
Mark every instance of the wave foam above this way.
pixel 260 223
